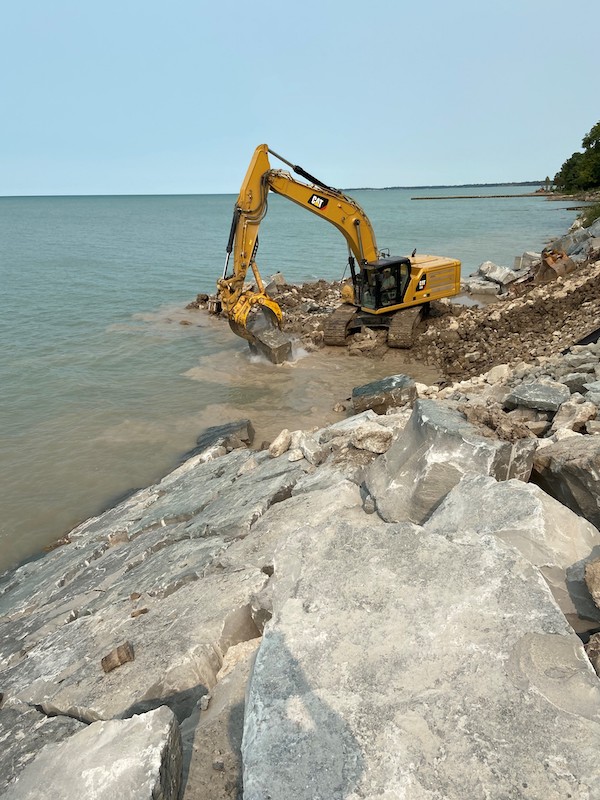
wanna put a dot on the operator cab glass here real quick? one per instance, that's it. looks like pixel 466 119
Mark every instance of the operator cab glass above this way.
pixel 384 283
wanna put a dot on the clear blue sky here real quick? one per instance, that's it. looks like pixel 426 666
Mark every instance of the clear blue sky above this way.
pixel 153 97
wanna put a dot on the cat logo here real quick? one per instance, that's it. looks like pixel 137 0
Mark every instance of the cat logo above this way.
pixel 317 201
pixel 422 283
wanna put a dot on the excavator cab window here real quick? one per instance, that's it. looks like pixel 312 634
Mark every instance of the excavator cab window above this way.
pixel 384 283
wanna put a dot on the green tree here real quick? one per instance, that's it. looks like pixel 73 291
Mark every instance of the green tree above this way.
pixel 582 170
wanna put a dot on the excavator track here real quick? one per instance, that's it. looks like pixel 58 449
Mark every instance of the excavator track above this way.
pixel 336 324
pixel 402 326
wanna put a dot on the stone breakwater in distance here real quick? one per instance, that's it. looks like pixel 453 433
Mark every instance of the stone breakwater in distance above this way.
pixel 401 604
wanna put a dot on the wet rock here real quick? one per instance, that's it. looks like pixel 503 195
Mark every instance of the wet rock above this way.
pixel 394 391
pixel 436 449
pixel 569 470
pixel 230 435
pixel 137 758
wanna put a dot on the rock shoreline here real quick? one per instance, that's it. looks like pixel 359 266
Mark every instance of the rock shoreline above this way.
pixel 394 605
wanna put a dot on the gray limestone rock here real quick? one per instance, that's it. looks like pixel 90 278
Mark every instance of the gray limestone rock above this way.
pixel 345 427
pixel 24 731
pixel 401 664
pixel 575 381
pixel 498 274
pixel 546 396
pixel 390 392
pixel 144 572
pixel 312 450
pixel 574 414
pixel 569 470
pixel 230 435
pixel 436 449
pixel 137 759
pixel 550 536
pixel 479 286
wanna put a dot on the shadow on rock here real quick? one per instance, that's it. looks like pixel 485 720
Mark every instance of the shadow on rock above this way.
pixel 295 744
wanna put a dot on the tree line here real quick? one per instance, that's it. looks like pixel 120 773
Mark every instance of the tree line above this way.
pixel 582 170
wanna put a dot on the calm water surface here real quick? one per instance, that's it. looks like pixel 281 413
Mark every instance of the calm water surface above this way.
pixel 101 387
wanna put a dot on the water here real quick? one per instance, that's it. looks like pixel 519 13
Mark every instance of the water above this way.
pixel 102 388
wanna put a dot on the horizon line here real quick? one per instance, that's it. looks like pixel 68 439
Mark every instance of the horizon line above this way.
pixel 225 194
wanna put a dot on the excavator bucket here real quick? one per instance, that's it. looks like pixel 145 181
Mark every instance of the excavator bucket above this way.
pixel 264 335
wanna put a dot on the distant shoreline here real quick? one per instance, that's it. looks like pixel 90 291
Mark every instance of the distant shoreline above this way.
pixel 233 194
pixel 446 186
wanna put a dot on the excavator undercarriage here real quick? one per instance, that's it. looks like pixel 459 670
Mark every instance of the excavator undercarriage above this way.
pixel 347 320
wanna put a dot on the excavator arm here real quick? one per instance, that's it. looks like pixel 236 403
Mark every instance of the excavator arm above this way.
pixel 238 300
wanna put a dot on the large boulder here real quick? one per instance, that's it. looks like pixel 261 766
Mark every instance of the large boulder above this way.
pixel 550 536
pixel 24 732
pixel 137 758
pixel 542 396
pixel 395 657
pixel 569 470
pixel 142 573
pixel 437 447
pixel 501 275
pixel 390 392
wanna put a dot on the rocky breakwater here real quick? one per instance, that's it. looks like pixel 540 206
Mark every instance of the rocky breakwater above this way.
pixel 384 607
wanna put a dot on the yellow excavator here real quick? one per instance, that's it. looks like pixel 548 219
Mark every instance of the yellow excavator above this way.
pixel 386 291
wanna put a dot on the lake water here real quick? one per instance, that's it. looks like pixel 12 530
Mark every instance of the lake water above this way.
pixel 102 388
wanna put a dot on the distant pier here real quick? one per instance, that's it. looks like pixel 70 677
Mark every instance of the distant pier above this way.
pixel 480 196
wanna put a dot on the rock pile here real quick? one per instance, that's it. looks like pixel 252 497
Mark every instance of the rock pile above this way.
pixel 384 607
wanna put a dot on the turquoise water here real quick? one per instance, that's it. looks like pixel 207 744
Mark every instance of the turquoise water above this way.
pixel 101 387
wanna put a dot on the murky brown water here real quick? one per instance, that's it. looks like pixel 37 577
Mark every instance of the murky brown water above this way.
pixel 72 463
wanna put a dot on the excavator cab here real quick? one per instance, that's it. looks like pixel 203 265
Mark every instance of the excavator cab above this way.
pixel 382 283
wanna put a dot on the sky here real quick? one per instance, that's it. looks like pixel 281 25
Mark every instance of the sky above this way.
pixel 150 97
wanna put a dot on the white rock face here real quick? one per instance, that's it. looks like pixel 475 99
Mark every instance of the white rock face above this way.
pixel 137 759
pixel 372 437
pixel 549 535
pixel 400 664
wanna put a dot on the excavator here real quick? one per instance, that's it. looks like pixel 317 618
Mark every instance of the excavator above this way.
pixel 385 291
